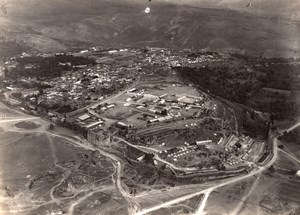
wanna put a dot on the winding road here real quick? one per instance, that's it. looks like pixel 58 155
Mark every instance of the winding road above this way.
pixel 133 207
pixel 207 191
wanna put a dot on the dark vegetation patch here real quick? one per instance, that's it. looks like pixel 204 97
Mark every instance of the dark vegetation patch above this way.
pixel 40 67
pixel 292 136
pixel 27 125
pixel 239 79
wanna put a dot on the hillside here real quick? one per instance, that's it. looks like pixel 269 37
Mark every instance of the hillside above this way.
pixel 277 6
pixel 61 25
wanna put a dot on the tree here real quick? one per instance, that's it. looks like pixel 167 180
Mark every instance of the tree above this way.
pixel 272 169
pixel 41 91
pixel 51 126
pixel 164 112
pixel 149 159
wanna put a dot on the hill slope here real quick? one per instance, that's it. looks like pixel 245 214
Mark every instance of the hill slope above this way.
pixel 61 25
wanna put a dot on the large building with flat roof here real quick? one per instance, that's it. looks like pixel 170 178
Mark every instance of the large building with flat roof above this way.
pixel 98 136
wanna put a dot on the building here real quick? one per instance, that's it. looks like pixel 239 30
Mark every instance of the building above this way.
pixel 171 98
pixel 203 142
pixel 95 124
pixel 150 97
pixel 97 136
pixel 154 136
pixel 112 51
pixel 110 106
pixel 84 117
pixel 131 90
pixel 139 159
pixel 186 100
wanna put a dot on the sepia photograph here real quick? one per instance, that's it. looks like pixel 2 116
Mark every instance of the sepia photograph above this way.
pixel 149 107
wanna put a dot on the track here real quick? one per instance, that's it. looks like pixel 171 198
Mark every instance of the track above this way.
pixel 133 207
pixel 207 191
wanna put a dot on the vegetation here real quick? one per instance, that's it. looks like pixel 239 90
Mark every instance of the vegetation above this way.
pixel 41 67
pixel 222 82
pixel 292 136
pixel 241 80
pixel 51 126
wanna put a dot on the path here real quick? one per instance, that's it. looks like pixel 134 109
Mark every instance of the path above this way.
pixel 202 205
pixel 205 191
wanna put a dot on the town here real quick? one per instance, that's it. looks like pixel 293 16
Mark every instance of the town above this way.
pixel 134 97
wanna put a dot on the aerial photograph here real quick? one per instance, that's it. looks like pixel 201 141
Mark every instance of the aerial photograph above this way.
pixel 150 107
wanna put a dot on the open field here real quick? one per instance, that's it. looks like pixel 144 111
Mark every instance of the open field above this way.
pixel 32 164
pixel 186 207
pixel 291 143
pixel 17 162
pixel 41 172
pixel 272 192
pixel 159 197
pixel 286 163
pixel 7 113
pixel 224 200
pixel 106 201
pixel 273 196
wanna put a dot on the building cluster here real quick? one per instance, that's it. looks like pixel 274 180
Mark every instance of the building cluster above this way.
pixel 187 130
pixel 166 107
pixel 172 58
pixel 241 148
pixel 83 87
pixel 78 85
pixel 83 84
pixel 178 152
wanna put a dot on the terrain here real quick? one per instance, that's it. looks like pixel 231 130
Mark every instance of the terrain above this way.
pixel 271 192
pixel 52 170
pixel 154 131
pixel 47 173
pixel 218 25
pixel 267 85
